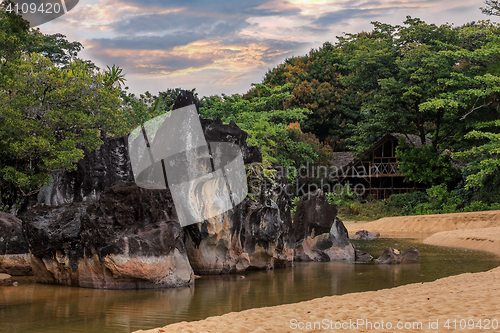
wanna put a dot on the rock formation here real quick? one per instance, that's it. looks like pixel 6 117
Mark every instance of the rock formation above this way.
pixel 127 239
pixel 250 236
pixel 95 228
pixel 319 235
pixel 14 252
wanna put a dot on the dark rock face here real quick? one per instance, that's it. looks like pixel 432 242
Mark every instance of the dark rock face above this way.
pixel 14 252
pixel 216 131
pixel 99 170
pixel 128 239
pixel 110 164
pixel 319 234
pixel 365 235
pixel 87 231
pixel 393 256
pixel 252 235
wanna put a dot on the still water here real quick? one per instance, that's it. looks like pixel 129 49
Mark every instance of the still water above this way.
pixel 31 307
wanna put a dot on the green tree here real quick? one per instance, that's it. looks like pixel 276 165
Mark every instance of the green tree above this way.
pixel 439 77
pixel 314 83
pixel 114 76
pixel 424 165
pixel 485 159
pixel 267 122
pixel 49 116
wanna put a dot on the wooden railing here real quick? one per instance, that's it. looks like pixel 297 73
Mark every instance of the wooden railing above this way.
pixel 384 168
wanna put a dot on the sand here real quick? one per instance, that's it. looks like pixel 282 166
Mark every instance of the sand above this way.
pixel 447 305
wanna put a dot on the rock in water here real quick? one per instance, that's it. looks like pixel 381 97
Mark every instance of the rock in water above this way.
pixel 4 277
pixel 362 256
pixel 14 252
pixel 393 256
pixel 319 235
pixel 128 239
pixel 365 235
pixel 390 256
pixel 410 255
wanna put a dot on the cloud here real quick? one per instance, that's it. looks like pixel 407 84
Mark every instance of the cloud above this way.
pixel 223 45
pixel 226 55
pixel 339 16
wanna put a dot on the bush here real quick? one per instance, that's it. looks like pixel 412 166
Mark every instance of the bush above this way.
pixel 438 200
pixel 407 201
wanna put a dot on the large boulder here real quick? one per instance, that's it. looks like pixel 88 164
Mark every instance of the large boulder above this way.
pixel 319 234
pixel 128 239
pixel 94 228
pixel 14 252
pixel 252 235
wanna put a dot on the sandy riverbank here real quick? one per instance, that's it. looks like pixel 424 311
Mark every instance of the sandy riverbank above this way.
pixel 466 296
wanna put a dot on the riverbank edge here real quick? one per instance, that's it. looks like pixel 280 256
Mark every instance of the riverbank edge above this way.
pixel 465 296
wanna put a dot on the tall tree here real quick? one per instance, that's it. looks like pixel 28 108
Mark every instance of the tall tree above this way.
pixel 437 75
pixel 492 7
pixel 49 116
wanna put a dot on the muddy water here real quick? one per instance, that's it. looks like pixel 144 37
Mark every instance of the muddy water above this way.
pixel 31 307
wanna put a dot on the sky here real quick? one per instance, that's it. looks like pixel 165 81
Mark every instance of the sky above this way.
pixel 223 46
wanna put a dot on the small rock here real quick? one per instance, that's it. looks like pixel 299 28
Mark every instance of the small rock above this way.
pixel 365 235
pixel 394 256
pixel 410 255
pixel 390 256
pixel 15 284
pixel 362 256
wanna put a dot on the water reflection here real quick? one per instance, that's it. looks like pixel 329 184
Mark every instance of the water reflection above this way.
pixel 45 308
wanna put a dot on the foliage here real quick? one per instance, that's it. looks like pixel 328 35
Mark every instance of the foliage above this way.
pixel 267 121
pixel 492 7
pixel 57 48
pixel 315 85
pixel 486 163
pixel 15 35
pixel 438 200
pixel 352 208
pixel 114 77
pixel 407 201
pixel 49 117
pixel 424 165
pixel 425 80
pixel 139 109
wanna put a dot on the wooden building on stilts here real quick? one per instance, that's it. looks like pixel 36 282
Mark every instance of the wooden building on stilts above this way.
pixel 377 174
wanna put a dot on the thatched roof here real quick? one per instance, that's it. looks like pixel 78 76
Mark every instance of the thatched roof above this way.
pixel 342 159
pixel 411 139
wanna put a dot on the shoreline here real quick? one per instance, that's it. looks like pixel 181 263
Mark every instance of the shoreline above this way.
pixel 468 296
